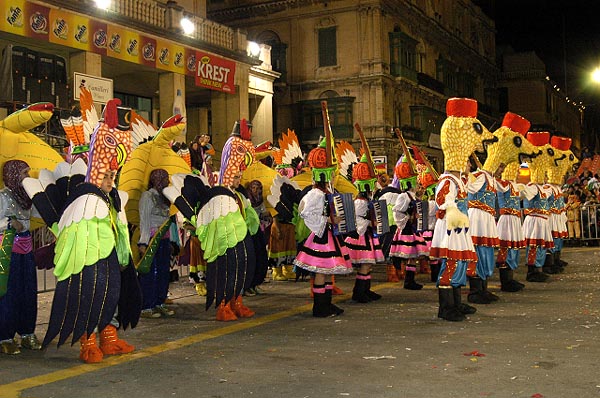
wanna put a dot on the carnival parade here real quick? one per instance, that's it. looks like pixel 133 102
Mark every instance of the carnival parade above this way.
pixel 124 200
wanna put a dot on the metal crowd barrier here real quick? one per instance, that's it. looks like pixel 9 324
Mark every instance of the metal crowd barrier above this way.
pixel 590 222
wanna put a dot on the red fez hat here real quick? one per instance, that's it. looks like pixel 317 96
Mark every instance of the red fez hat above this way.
pixel 461 107
pixel 562 143
pixel 538 138
pixel 516 123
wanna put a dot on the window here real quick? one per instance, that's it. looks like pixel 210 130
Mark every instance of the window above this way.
pixel 278 61
pixel 446 72
pixel 403 55
pixel 141 105
pixel 340 118
pixel 327 46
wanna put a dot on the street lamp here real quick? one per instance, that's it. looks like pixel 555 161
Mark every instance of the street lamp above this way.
pixel 596 75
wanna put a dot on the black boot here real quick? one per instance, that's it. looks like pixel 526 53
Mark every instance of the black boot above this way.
pixel 549 267
pixel 507 283
pixel 435 270
pixel 560 262
pixel 476 294
pixel 409 281
pixel 334 310
pixel 535 274
pixel 462 307
pixel 556 261
pixel 320 303
pixel 372 295
pixel 359 293
pixel 448 310
pixel 487 294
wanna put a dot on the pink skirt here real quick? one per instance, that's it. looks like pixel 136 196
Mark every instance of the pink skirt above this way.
pixel 364 250
pixel 407 245
pixel 326 255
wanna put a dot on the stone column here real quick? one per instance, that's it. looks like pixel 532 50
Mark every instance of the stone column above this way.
pixel 168 84
pixel 88 63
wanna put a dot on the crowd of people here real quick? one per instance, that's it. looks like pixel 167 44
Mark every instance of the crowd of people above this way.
pixel 326 213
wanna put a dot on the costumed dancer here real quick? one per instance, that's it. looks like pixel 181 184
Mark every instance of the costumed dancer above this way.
pixel 20 152
pixel 536 227
pixel 390 193
pixel 282 241
pixel 223 231
pixel 242 131
pixel 427 179
pixel 511 150
pixel 407 244
pixel 461 134
pixel 323 252
pixel 91 215
pixel 363 245
pixel 565 160
pixel 155 224
pixel 18 274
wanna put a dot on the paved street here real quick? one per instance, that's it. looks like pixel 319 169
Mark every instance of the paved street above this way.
pixel 541 342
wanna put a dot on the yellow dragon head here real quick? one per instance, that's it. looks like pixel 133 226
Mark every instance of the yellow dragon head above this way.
pixel 511 145
pixel 564 159
pixel 462 133
pixel 17 143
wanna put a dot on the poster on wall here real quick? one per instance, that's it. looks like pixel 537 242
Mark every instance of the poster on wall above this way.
pixel 215 73
pixel 100 87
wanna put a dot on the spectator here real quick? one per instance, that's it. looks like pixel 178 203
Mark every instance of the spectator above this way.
pixel 586 153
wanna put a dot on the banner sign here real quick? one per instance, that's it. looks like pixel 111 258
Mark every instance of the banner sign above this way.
pixel 215 72
pixel 101 88
pixel 59 26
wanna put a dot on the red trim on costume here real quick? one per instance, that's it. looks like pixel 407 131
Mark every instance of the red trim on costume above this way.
pixel 485 241
pixel 475 204
pixel 512 244
pixel 442 252
pixel 510 211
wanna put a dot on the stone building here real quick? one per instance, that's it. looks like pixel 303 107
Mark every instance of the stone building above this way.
pixel 381 63
pixel 136 50
pixel 526 89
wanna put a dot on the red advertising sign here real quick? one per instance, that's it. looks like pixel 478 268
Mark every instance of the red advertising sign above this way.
pixel 214 72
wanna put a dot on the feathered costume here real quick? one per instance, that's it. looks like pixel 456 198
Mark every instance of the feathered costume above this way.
pixel 224 233
pixel 92 244
pixel 284 199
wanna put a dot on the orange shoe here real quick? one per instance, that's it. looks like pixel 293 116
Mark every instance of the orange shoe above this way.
pixel 110 344
pixel 239 309
pixel 336 291
pixel 390 271
pixel 225 313
pixel 89 351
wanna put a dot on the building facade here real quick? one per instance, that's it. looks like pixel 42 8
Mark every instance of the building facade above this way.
pixel 136 50
pixel 381 63
pixel 526 89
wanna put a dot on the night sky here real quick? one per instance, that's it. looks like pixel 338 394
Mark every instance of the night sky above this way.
pixel 549 28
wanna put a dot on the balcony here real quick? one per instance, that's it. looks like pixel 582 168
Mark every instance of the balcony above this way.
pixel 158 18
pixel 431 83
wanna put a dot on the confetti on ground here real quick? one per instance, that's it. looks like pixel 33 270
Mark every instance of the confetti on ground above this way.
pixel 381 357
pixel 537 395
pixel 473 354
